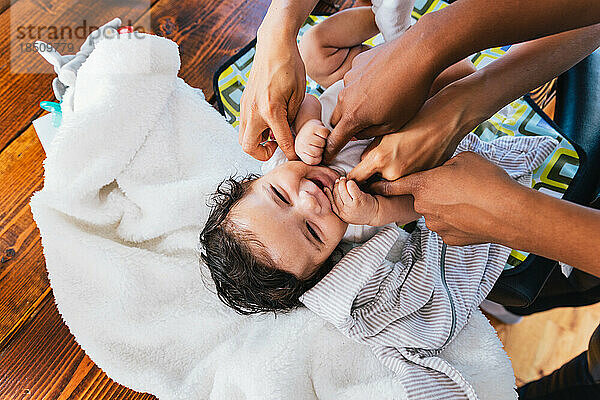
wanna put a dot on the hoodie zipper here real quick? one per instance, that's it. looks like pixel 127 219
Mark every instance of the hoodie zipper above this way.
pixel 453 310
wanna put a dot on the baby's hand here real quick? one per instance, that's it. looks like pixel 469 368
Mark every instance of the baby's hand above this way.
pixel 310 141
pixel 351 204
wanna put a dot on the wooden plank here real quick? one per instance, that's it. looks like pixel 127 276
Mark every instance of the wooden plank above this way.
pixel 542 342
pixel 5 4
pixel 207 31
pixel 43 361
pixel 23 278
pixel 208 36
pixel 22 274
pixel 22 92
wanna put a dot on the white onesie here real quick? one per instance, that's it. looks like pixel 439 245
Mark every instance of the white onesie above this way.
pixel 392 17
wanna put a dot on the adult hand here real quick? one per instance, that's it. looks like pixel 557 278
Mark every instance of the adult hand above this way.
pixel 272 97
pixel 460 199
pixel 427 141
pixel 384 89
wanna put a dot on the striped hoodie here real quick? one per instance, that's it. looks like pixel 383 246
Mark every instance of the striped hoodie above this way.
pixel 408 295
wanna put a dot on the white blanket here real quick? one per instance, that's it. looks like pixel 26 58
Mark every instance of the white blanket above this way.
pixel 126 179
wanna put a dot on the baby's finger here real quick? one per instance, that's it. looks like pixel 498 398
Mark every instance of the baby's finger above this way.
pixel 336 195
pixel 354 190
pixel 309 158
pixel 344 195
pixel 331 200
pixel 317 145
pixel 319 137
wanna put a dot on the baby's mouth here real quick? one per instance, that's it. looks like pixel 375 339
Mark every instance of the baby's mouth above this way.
pixel 323 178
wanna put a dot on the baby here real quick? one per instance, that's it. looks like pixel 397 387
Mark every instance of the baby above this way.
pixel 269 239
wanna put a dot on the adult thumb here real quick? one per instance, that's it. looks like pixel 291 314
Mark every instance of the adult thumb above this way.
pixel 404 185
pixel 338 138
pixel 363 170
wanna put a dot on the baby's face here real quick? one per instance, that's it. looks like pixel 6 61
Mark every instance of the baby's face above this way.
pixel 291 216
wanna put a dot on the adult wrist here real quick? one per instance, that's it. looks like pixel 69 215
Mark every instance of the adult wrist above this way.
pixel 282 22
pixel 513 217
pixel 476 103
pixel 465 113
pixel 276 31
pixel 433 41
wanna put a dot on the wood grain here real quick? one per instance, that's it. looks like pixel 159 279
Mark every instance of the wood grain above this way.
pixel 543 342
pixel 4 4
pixel 208 32
pixel 23 278
pixel 207 35
pixel 22 92
pixel 38 356
pixel 44 361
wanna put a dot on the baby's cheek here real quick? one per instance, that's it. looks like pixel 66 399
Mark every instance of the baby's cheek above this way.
pixel 335 230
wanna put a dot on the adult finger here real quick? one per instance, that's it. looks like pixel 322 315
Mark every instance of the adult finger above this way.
pixel 373 145
pixel 283 134
pixel 245 115
pixel 329 195
pixel 241 131
pixel 252 137
pixel 339 137
pixel 265 151
pixel 364 170
pixel 406 185
pixel 373 131
pixel 367 165
pixel 296 100
pixel 336 114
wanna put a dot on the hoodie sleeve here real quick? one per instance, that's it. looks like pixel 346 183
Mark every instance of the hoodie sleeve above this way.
pixel 519 156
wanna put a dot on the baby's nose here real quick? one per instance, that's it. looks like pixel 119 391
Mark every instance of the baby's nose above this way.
pixel 308 203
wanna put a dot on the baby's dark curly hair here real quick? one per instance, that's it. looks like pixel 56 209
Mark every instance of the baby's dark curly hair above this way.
pixel 245 276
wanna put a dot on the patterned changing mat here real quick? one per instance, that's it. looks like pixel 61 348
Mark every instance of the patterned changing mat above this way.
pixel 521 117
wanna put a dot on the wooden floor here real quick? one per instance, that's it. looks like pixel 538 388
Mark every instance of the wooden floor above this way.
pixel 542 342
pixel 39 359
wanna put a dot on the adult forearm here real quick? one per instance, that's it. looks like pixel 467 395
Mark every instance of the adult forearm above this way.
pixel 527 66
pixel 553 228
pixel 285 17
pixel 468 26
